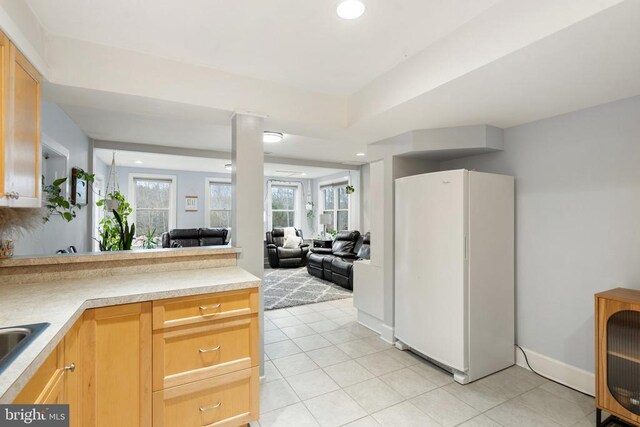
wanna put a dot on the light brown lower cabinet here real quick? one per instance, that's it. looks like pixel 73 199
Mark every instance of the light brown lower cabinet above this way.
pixel 114 369
pixel 116 372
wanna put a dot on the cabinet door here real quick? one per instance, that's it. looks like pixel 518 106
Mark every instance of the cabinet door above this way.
pixel 116 366
pixel 5 66
pixel 24 126
pixel 72 374
pixel 46 382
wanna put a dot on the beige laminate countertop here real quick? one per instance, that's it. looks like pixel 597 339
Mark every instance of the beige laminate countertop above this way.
pixel 61 303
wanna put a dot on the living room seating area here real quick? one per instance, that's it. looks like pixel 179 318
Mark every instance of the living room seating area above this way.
pixel 283 253
pixel 193 237
pixel 335 264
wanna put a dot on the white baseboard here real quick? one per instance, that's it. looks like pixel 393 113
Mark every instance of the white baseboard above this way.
pixel 386 332
pixel 561 372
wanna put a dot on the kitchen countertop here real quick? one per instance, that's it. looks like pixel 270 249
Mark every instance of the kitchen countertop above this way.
pixel 61 303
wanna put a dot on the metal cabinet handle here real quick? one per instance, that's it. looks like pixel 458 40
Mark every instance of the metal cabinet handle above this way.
pixel 12 195
pixel 208 408
pixel 209 350
pixel 70 368
pixel 210 307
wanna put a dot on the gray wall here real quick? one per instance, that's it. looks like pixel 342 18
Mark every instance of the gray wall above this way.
pixel 577 214
pixel 187 184
pixel 57 233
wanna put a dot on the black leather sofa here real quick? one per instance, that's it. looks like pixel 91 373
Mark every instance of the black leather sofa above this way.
pixel 285 257
pixel 335 264
pixel 190 237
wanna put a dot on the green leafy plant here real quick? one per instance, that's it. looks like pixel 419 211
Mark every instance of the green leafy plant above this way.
pixel 109 228
pixel 350 189
pixel 126 234
pixel 56 204
pixel 148 242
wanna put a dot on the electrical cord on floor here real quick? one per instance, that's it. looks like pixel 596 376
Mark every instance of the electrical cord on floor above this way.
pixel 526 359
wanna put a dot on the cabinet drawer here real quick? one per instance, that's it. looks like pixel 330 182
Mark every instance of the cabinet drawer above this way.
pixel 227 400
pixel 202 308
pixel 195 352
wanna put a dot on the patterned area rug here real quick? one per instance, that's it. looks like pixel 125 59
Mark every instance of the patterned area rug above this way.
pixel 288 287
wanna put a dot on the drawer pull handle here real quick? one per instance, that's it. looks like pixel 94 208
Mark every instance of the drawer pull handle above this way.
pixel 208 408
pixel 209 350
pixel 70 368
pixel 209 307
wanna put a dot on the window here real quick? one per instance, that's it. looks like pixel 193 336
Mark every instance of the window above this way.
pixel 283 205
pixel 219 195
pixel 153 201
pixel 335 201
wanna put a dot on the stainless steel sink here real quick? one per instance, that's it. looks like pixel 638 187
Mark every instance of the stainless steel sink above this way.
pixel 14 339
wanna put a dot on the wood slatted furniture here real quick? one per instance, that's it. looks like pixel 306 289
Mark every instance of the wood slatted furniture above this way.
pixel 188 361
pixel 617 316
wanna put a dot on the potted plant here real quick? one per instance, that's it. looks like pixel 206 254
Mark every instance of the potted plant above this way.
pixel 114 227
pixel 350 189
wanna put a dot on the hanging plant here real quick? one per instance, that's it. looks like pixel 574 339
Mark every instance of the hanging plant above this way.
pixel 350 189
pixel 110 232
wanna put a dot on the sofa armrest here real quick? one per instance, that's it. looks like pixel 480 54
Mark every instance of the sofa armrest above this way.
pixel 348 255
pixel 271 246
pixel 304 245
pixel 322 251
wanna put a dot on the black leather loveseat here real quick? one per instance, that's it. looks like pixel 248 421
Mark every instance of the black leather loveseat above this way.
pixel 336 264
pixel 190 237
pixel 285 257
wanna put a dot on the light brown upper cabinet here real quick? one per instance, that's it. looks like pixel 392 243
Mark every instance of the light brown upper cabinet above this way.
pixel 20 134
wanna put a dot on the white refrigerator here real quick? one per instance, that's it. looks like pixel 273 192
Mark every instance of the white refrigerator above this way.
pixel 454 270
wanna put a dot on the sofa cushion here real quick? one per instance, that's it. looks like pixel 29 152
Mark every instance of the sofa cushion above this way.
pixel 345 241
pixel 365 249
pixel 212 236
pixel 285 253
pixel 341 267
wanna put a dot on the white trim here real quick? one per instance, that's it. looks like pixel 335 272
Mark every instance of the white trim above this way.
pixel 387 333
pixel 561 372
pixel 321 209
pixel 297 220
pixel 207 196
pixel 173 212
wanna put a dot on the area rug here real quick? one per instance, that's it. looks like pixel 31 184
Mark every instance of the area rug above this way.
pixel 288 287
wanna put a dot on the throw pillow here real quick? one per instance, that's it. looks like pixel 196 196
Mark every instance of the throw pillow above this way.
pixel 292 242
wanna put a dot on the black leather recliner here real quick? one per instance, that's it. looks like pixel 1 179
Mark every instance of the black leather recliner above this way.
pixel 342 268
pixel 345 246
pixel 191 237
pixel 285 257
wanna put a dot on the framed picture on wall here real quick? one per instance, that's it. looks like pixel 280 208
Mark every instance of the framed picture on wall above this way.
pixel 78 188
pixel 191 203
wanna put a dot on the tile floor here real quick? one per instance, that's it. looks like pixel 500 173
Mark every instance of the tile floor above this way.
pixel 322 368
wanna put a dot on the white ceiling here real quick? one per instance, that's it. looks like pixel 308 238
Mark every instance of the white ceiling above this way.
pixel 294 42
pixel 200 164
pixel 172 73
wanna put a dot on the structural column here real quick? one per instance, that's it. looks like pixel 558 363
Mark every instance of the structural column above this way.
pixel 247 179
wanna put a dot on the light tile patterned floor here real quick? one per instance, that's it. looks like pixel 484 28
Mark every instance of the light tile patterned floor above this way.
pixel 322 368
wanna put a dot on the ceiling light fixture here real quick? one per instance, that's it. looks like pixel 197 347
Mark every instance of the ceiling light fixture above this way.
pixel 360 154
pixel 138 162
pixel 228 166
pixel 271 137
pixel 350 9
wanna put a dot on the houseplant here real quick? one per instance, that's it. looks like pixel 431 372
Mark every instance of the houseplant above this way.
pixel 56 203
pixel 110 227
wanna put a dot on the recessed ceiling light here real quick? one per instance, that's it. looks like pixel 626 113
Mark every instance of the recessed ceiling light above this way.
pixel 350 9
pixel 360 154
pixel 270 136
pixel 228 166
pixel 303 174
pixel 138 162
